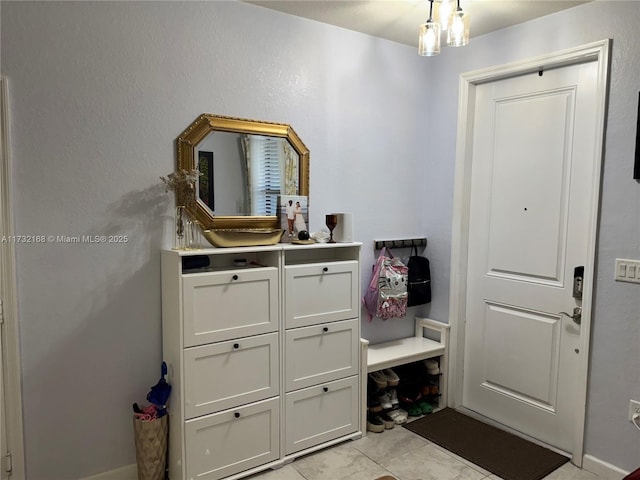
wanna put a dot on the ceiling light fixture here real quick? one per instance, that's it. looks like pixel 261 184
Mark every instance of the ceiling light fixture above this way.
pixel 455 23
pixel 429 39
pixel 458 31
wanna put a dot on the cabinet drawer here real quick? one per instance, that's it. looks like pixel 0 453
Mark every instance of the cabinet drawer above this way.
pixel 321 353
pixel 321 292
pixel 226 374
pixel 229 442
pixel 234 303
pixel 322 413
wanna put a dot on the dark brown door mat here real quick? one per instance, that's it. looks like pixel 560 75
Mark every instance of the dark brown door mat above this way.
pixel 503 454
pixel 386 477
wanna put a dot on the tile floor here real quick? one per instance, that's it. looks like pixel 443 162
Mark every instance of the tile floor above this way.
pixel 397 452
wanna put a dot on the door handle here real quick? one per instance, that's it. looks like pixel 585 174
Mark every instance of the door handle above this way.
pixel 577 315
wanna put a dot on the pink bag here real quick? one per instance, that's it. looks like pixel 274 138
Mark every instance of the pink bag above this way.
pixel 386 295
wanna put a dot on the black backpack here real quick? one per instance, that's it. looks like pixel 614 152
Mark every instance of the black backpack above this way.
pixel 419 280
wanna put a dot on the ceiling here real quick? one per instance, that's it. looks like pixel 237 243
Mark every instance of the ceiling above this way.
pixel 398 20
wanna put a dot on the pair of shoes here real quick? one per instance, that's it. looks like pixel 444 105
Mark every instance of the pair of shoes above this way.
pixel 430 391
pixel 379 422
pixel 388 422
pixel 425 407
pixel 389 399
pixel 398 415
pixel 379 379
pixel 411 400
pixel 385 378
pixel 432 366
pixel 392 378
pixel 385 400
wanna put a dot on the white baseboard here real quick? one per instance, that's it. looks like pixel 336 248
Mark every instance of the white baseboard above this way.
pixel 129 472
pixel 602 469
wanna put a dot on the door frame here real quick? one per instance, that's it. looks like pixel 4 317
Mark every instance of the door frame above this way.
pixel 598 52
pixel 10 348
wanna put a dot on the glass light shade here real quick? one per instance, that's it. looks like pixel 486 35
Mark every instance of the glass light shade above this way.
pixel 444 13
pixel 458 32
pixel 429 39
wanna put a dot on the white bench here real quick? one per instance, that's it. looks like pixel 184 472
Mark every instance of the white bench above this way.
pixel 405 350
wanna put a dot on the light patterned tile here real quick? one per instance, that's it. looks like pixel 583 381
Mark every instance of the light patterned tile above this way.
pixel 285 473
pixel 430 463
pixel 569 471
pixel 463 460
pixel 392 443
pixel 338 463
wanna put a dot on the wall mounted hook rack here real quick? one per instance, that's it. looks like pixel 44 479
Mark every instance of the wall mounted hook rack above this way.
pixel 401 243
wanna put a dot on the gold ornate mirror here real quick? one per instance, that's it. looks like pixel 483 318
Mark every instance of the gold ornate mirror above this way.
pixel 244 165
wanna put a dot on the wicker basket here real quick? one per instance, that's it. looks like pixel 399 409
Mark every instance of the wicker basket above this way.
pixel 151 447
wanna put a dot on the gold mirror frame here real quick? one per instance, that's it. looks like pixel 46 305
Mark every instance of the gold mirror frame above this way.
pixel 207 123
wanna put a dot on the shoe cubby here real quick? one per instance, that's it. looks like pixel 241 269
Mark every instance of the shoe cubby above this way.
pixel 420 363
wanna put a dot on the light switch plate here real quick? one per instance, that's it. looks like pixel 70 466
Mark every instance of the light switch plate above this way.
pixel 627 270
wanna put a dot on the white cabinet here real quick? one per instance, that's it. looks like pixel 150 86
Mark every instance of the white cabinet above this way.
pixel 262 345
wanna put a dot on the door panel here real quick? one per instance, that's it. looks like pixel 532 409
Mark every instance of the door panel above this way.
pixel 520 219
pixel 525 368
pixel 533 158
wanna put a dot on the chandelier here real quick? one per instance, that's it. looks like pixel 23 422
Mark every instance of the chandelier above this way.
pixel 454 22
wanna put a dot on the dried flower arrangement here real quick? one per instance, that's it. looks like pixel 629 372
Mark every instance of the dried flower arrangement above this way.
pixel 182 184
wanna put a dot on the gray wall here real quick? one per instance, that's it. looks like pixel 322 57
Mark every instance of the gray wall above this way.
pixel 99 91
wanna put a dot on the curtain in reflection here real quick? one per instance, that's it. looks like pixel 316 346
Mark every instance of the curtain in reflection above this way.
pixel 290 163
pixel 246 152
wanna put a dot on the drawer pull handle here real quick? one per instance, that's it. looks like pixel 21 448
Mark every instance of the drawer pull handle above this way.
pixel 235 277
pixel 325 269
pixel 325 329
pixel 325 389
pixel 237 414
pixel 236 345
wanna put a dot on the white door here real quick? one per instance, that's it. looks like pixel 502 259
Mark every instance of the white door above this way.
pixel 530 209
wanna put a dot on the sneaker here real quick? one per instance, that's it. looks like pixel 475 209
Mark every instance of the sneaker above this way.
pixel 392 379
pixel 432 366
pixel 375 423
pixel 385 400
pixel 394 397
pixel 379 378
pixel 388 422
pixel 398 415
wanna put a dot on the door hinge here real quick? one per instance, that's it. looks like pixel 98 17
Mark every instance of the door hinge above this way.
pixel 1 313
pixel 8 466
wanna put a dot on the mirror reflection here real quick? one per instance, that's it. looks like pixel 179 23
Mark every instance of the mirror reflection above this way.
pixel 244 166
pixel 243 174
